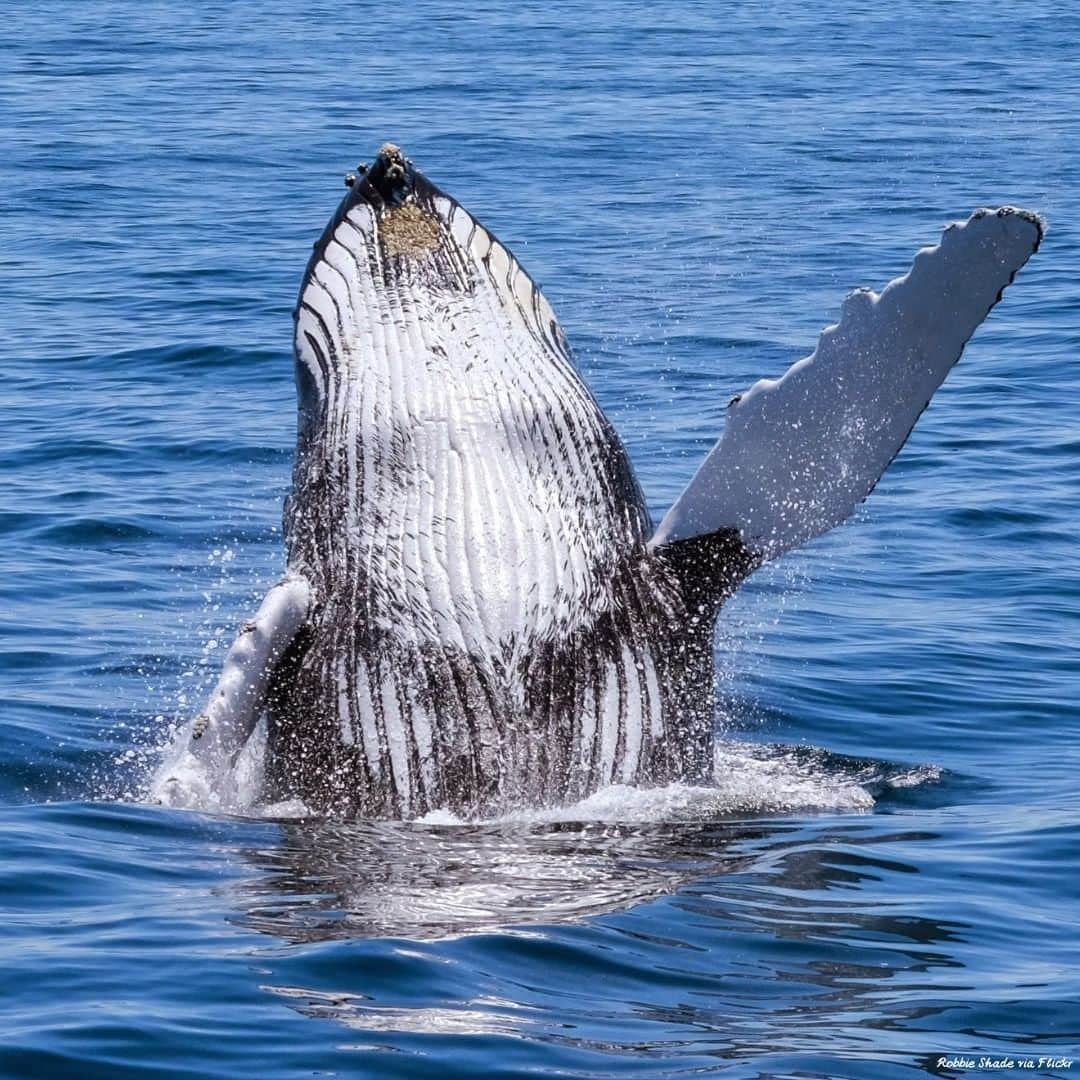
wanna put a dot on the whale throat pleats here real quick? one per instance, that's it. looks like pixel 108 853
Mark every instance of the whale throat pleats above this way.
pixel 471 524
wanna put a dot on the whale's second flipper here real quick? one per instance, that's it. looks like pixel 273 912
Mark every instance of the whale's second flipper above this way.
pixel 800 453
pixel 198 771
pixel 237 700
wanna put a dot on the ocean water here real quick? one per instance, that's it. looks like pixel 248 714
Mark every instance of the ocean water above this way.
pixel 887 871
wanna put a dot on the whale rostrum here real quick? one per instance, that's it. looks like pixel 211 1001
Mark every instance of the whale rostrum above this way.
pixel 477 612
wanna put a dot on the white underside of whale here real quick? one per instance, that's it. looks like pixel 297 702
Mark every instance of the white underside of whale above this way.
pixel 470 395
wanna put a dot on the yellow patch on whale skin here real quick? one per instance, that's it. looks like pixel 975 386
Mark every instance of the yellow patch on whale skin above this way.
pixel 408 230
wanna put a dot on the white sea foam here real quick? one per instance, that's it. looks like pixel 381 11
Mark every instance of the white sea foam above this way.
pixel 749 778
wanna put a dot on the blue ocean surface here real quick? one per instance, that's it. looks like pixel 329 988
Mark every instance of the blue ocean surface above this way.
pixel 887 876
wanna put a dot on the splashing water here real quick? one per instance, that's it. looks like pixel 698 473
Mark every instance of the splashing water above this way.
pixel 748 779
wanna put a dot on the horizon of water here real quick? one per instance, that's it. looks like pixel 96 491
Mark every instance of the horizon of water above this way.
pixel 885 873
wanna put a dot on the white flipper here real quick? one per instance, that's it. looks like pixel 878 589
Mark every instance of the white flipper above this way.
pixel 800 453
pixel 213 739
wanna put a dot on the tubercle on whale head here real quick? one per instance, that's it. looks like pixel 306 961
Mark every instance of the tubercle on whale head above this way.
pixel 388 181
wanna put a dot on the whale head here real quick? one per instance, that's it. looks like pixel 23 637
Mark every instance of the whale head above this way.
pixel 404 275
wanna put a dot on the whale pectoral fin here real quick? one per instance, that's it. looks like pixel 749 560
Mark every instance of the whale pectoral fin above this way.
pixel 236 702
pixel 799 454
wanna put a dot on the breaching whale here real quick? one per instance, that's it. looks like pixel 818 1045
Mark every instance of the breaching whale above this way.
pixel 477 611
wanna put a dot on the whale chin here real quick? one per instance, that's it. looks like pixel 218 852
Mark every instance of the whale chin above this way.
pixel 389 181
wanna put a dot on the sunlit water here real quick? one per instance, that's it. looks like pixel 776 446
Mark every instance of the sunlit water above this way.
pixel 886 870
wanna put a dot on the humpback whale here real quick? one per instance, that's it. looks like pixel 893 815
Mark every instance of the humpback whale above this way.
pixel 477 610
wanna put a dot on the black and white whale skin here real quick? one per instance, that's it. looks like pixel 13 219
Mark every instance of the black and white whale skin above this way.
pixel 477 611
